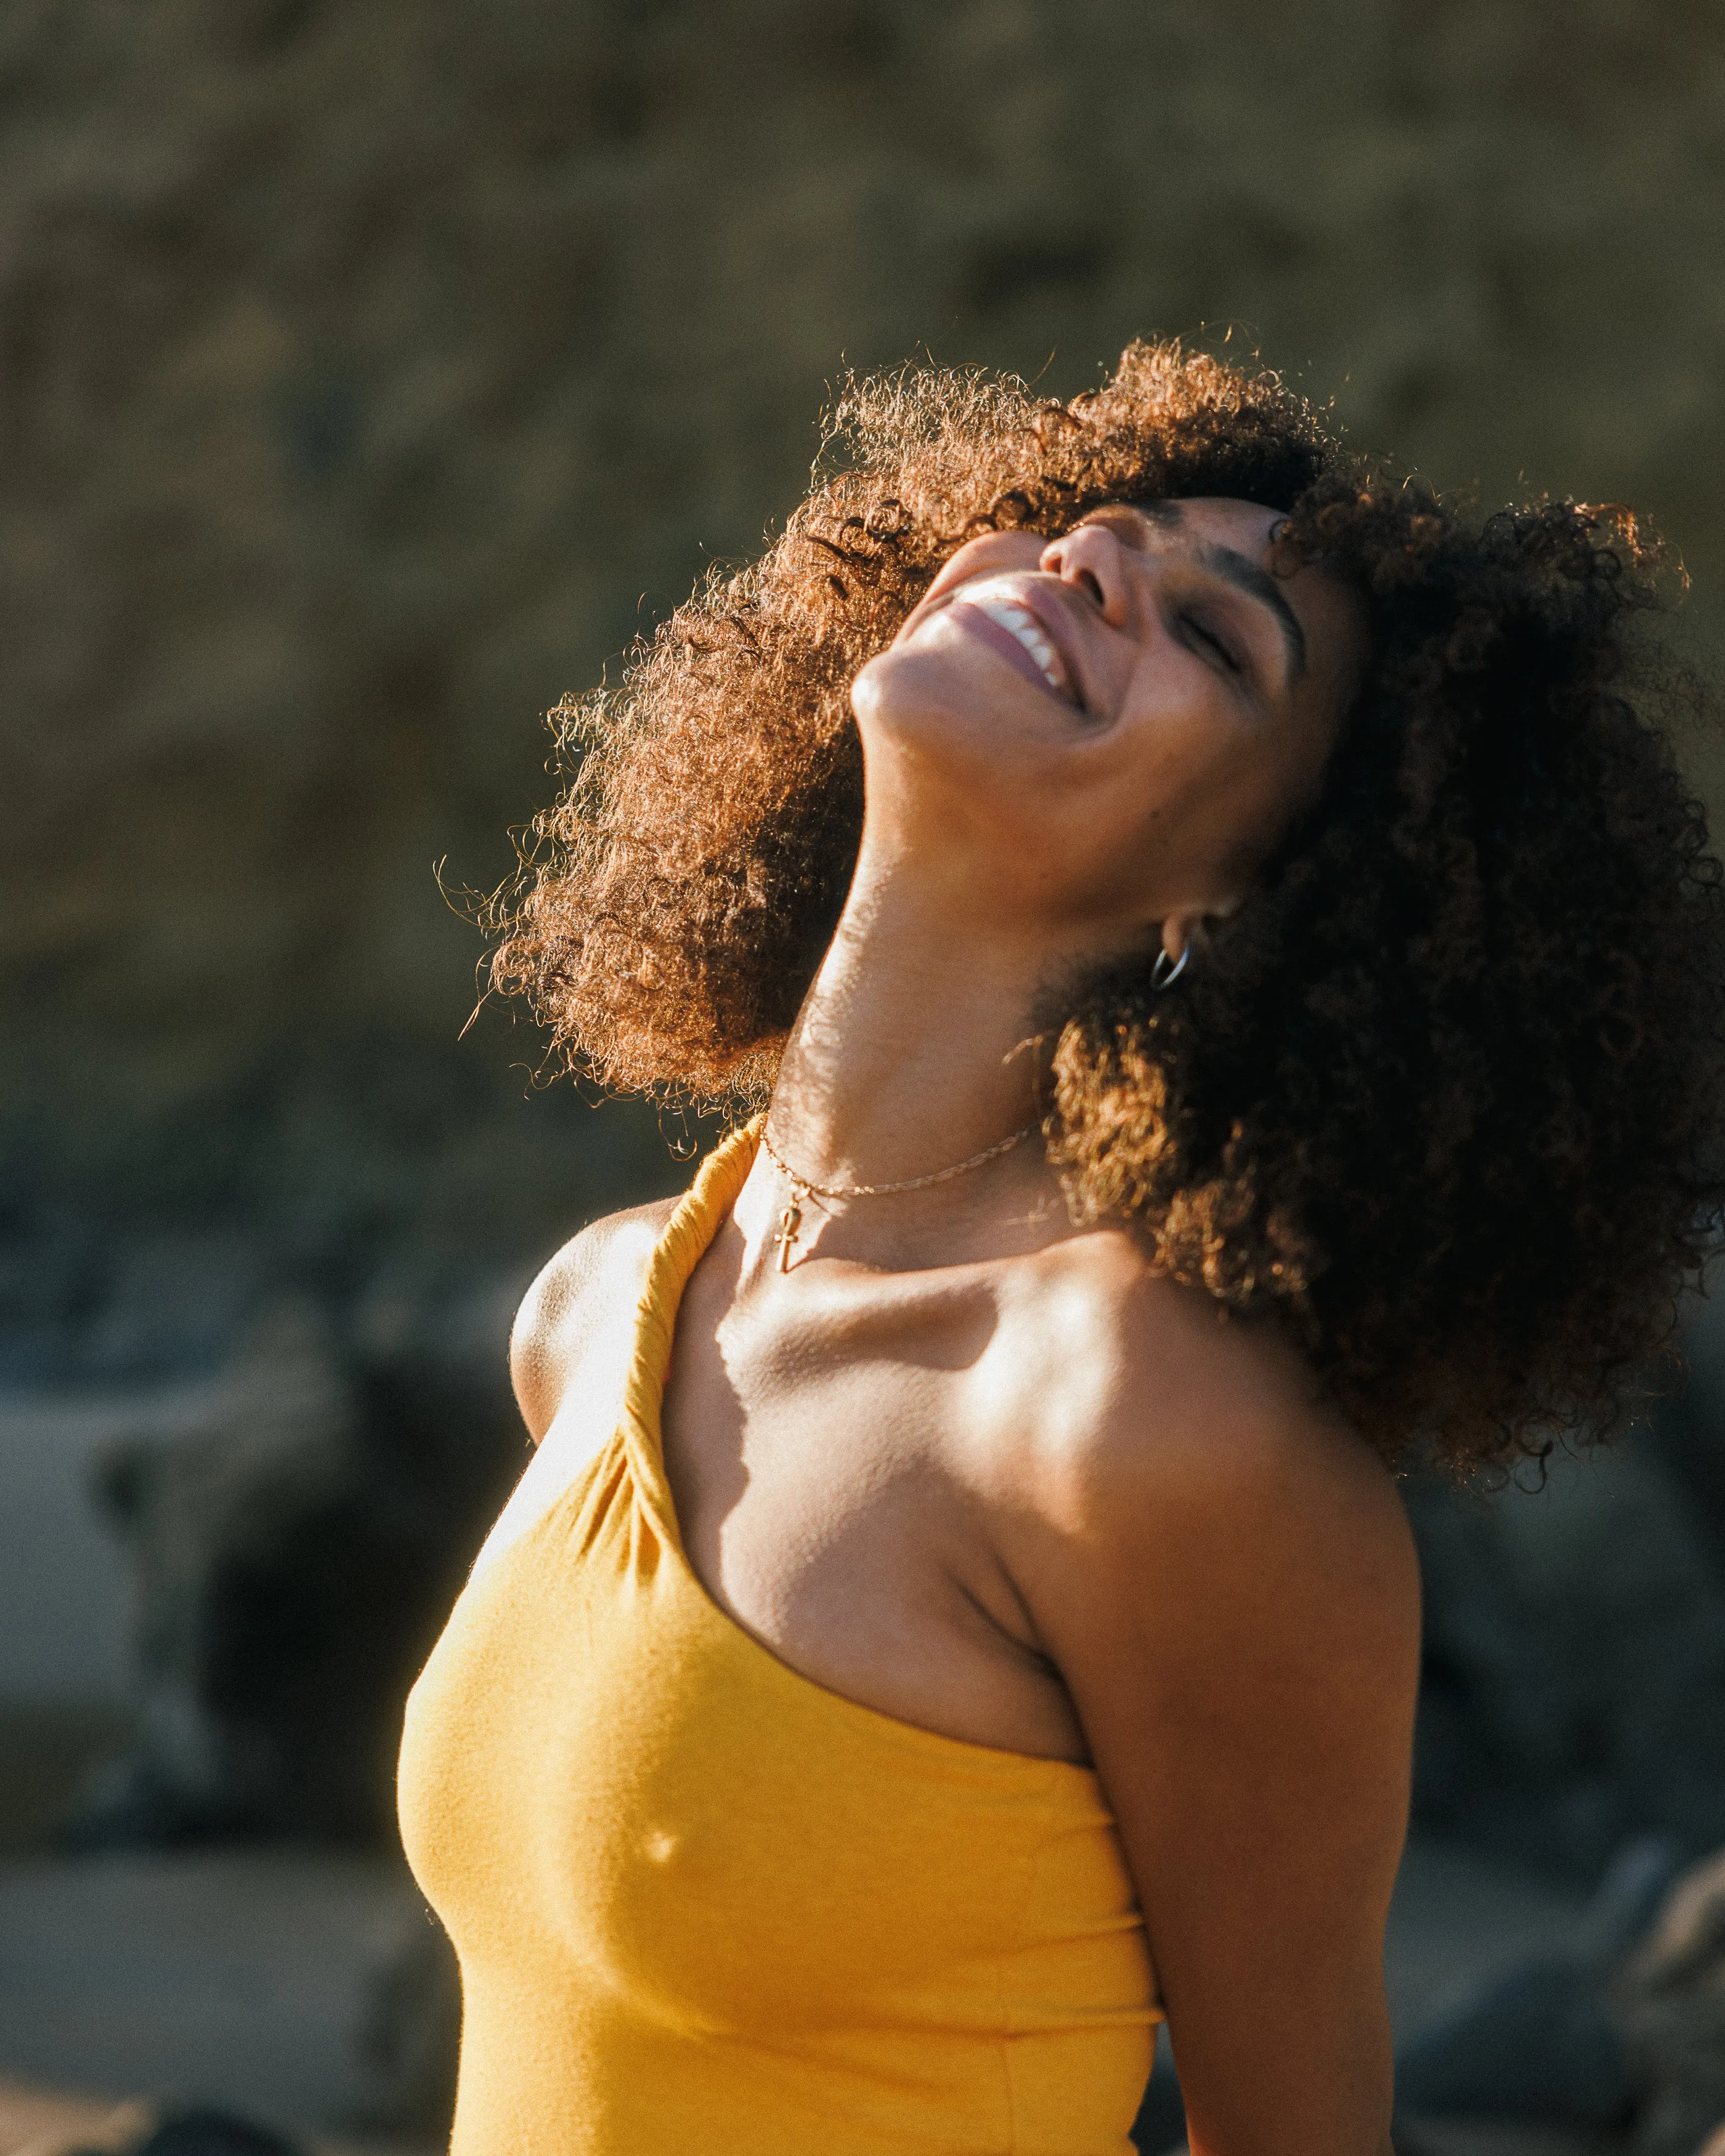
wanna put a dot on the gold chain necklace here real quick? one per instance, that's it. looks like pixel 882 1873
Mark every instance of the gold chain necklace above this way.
pixel 791 1220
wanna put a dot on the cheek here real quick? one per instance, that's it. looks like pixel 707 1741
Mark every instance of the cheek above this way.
pixel 1187 750
pixel 1199 795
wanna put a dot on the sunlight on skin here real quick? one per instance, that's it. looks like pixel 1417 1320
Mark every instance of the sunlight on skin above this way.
pixel 1074 752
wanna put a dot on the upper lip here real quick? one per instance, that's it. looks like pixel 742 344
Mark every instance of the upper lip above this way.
pixel 1047 599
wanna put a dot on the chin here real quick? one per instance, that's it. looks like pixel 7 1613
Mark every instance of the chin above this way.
pixel 946 785
pixel 921 699
pixel 890 687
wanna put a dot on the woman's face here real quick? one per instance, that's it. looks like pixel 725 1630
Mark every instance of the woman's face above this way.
pixel 1108 732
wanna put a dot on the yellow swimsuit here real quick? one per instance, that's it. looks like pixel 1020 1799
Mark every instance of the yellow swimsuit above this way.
pixel 705 1907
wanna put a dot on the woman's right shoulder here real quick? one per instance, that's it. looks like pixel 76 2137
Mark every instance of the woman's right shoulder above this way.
pixel 577 1299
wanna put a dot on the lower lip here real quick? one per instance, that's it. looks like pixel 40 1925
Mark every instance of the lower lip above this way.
pixel 978 623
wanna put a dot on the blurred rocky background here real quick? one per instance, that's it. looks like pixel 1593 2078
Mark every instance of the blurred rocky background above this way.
pixel 369 374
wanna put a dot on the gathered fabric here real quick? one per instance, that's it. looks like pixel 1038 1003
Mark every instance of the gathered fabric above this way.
pixel 706 1907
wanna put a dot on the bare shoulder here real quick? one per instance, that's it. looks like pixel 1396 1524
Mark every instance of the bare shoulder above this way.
pixel 1221 1571
pixel 1178 1442
pixel 572 1301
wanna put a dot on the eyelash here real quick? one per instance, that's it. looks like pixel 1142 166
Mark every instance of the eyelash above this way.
pixel 1196 628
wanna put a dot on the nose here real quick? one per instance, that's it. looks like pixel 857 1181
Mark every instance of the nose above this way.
pixel 1093 558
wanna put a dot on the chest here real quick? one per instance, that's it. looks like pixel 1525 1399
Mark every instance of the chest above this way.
pixel 681 1878
pixel 836 1472
pixel 824 1460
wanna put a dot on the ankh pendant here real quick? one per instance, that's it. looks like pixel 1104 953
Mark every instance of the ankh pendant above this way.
pixel 789 1221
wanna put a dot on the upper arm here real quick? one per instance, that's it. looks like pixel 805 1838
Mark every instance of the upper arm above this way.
pixel 571 1301
pixel 1234 1608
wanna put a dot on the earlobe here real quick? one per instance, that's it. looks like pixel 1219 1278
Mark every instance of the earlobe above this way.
pixel 1194 926
pixel 1180 933
pixel 1181 930
pixel 1176 951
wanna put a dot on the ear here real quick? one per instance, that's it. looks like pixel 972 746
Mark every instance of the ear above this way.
pixel 1180 931
pixel 1188 924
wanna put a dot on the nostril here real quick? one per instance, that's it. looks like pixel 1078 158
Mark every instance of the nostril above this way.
pixel 1087 581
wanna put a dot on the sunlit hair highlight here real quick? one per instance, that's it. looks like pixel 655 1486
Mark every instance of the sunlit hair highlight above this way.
pixel 1442 1099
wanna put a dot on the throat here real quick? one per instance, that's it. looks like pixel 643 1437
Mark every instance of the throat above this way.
pixel 912 1052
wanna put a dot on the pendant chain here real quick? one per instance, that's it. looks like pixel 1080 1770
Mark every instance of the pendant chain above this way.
pixel 791 1220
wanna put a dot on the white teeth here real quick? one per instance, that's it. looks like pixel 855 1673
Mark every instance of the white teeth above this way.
pixel 1024 626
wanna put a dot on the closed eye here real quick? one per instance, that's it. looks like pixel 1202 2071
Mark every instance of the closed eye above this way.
pixel 1213 642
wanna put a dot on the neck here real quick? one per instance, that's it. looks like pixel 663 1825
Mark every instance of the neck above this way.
pixel 913 1048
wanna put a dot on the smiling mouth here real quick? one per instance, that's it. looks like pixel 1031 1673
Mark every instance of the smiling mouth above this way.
pixel 1008 627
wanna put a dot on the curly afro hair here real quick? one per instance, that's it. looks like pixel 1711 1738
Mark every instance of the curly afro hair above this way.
pixel 1443 1098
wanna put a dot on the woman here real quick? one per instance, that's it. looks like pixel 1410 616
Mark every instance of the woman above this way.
pixel 1232 980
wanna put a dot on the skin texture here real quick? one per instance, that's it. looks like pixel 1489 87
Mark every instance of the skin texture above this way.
pixel 989 1472
pixel 1443 1101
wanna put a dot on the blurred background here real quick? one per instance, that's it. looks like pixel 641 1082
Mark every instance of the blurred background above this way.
pixel 369 375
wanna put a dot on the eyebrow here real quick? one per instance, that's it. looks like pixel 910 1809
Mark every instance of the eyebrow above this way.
pixel 1245 573
pixel 1240 571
